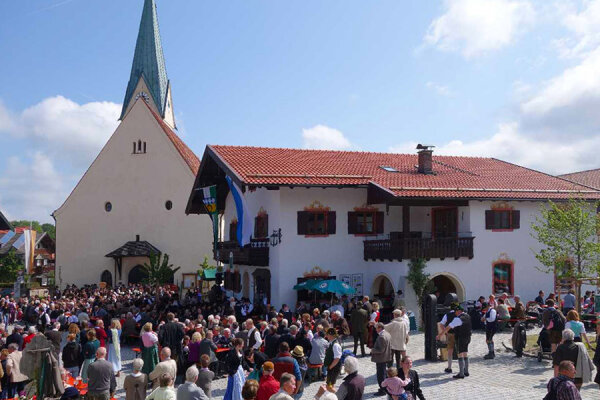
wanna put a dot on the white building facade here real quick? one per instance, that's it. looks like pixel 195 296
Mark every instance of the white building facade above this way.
pixel 131 200
pixel 473 246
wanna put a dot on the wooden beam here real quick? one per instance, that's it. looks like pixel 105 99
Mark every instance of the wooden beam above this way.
pixel 405 219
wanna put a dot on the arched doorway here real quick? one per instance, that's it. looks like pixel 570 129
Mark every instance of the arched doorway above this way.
pixel 382 287
pixel 106 277
pixel 137 274
pixel 445 283
pixel 246 285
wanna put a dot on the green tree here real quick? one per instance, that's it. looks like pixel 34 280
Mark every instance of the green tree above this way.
pixel 159 270
pixel 568 233
pixel 417 277
pixel 10 265
pixel 50 229
pixel 23 222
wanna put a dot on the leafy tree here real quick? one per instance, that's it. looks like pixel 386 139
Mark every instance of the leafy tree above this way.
pixel 159 270
pixel 568 233
pixel 50 229
pixel 417 277
pixel 10 265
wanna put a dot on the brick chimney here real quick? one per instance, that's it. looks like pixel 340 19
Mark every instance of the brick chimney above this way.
pixel 425 159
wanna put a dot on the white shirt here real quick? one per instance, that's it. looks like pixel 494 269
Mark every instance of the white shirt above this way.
pixel 257 338
pixel 337 351
pixel 492 316
pixel 456 322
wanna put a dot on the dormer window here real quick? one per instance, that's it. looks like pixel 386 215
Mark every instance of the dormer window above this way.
pixel 139 147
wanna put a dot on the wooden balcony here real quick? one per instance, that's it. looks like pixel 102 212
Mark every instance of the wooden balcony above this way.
pixel 256 253
pixel 427 248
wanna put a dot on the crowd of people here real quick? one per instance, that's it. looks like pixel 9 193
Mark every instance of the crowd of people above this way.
pixel 184 343
pixel 193 339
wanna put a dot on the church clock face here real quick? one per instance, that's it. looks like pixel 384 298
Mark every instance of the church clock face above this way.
pixel 144 96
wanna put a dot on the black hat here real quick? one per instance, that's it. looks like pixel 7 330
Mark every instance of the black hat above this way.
pixel 332 332
pixel 70 393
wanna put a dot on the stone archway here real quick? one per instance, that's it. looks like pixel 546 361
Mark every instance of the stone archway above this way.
pixel 246 285
pixel 106 277
pixel 447 282
pixel 382 286
pixel 137 275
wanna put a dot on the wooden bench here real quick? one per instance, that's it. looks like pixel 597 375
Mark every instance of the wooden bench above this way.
pixel 311 369
pixel 137 351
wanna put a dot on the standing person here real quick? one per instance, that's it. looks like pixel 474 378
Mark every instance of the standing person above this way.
pixel 166 366
pixel 569 302
pixel 55 337
pixel 399 335
pixel 165 391
pixel 561 387
pixel 205 376
pixel 353 386
pixel 298 356
pixel 89 353
pixel 254 337
pixel 102 383
pixel 333 354
pixel 149 349
pixel 381 355
pixel 135 384
pixel 5 380
pixel 250 389
pixel 13 369
pixel 101 333
pixel 574 324
pixel 540 298
pixel 114 345
pixel 171 335
pixel 491 326
pixel 268 385
pixel 318 346
pixel 414 386
pixel 189 390
pixel 287 387
pixel 71 356
pixel 596 359
pixel 359 320
pixel 554 322
pixel 462 330
pixel 234 366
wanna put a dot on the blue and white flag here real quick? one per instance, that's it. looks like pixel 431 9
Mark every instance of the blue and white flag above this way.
pixel 244 225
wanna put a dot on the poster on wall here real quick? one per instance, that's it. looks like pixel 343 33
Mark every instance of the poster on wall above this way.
pixel 346 278
pixel 357 284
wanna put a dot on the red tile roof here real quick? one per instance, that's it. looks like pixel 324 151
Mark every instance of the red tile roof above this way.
pixel 589 178
pixel 455 177
pixel 186 153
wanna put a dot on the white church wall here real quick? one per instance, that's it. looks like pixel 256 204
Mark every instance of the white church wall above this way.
pixel 137 185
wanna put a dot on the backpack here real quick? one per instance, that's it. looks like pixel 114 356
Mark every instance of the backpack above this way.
pixel 558 322
pixel 553 393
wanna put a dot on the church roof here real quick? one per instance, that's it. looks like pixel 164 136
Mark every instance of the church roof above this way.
pixel 148 61
pixel 186 153
pixel 137 248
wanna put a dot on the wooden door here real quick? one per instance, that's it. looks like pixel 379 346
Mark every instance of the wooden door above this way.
pixel 445 222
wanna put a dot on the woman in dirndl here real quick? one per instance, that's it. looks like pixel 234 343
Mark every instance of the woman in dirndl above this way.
pixel 89 353
pixel 149 348
pixel 114 345
pixel 234 363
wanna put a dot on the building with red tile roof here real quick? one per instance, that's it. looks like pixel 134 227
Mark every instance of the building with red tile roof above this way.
pixel 589 177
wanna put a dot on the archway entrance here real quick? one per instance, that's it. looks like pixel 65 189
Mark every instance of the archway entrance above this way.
pixel 137 274
pixel 382 287
pixel 106 277
pixel 446 283
pixel 246 285
pixel 262 285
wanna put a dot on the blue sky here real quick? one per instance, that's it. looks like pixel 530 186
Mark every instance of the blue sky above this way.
pixel 514 79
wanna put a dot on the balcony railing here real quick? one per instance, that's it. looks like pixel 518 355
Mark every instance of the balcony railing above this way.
pixel 427 248
pixel 256 253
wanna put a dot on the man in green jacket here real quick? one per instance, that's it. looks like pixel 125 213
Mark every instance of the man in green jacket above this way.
pixel 358 321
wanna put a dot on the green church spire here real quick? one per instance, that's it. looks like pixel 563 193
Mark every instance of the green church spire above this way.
pixel 148 62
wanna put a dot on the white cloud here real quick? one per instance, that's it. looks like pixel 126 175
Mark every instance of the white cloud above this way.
pixel 475 27
pixel 31 188
pixel 322 137
pixel 569 102
pixel 510 144
pixel 442 90
pixel 57 132
pixel 584 25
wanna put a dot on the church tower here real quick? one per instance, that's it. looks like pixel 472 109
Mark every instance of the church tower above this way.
pixel 148 78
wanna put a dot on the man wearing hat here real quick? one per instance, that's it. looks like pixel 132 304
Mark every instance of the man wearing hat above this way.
pixel 462 331
pixel 268 385
pixel 490 318
pixel 333 354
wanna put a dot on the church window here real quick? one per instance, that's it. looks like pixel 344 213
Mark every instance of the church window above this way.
pixel 134 148
pixel 144 147
pixel 139 147
pixel 169 204
pixel 108 206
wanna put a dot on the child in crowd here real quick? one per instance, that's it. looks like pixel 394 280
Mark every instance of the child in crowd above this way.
pixel 395 385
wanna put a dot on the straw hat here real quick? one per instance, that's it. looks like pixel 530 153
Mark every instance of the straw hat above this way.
pixel 298 351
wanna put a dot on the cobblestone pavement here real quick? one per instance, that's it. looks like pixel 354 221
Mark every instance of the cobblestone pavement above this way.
pixel 505 377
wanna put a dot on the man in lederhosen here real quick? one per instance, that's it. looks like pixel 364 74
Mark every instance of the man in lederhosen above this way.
pixel 446 319
pixel 333 355
pixel 490 318
pixel 462 332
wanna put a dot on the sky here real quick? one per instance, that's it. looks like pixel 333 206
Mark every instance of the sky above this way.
pixel 517 80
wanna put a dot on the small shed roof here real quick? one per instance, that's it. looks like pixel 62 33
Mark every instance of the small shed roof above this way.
pixel 139 248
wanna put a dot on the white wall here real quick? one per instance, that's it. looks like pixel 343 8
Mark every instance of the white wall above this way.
pixel 342 253
pixel 137 185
